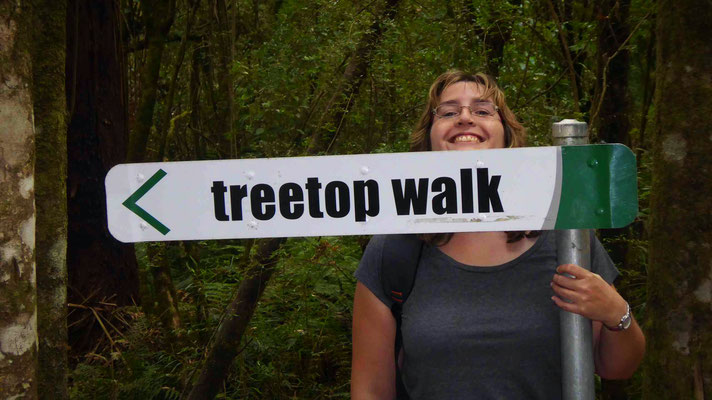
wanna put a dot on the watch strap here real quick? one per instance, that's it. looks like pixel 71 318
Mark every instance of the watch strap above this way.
pixel 624 322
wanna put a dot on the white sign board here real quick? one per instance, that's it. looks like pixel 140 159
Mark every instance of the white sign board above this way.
pixel 486 190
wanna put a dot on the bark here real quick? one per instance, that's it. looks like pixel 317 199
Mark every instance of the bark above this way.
pixel 48 59
pixel 347 90
pixel 227 341
pixel 157 17
pixel 679 305
pixel 18 304
pixel 100 268
pixel 225 94
pixel 613 122
pixel 195 121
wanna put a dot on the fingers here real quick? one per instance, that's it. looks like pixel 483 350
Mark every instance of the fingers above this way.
pixel 572 269
pixel 565 293
pixel 570 307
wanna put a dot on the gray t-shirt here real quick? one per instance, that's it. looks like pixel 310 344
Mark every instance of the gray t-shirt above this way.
pixel 481 332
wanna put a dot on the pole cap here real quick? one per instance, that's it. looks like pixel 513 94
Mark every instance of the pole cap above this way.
pixel 569 128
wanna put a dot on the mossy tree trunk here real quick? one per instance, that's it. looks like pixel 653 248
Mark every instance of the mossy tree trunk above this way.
pixel 18 305
pixel 100 268
pixel 48 61
pixel 679 307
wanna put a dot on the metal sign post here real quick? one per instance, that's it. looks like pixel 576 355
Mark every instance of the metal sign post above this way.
pixel 574 248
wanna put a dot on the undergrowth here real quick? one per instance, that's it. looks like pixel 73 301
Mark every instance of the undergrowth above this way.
pixel 298 345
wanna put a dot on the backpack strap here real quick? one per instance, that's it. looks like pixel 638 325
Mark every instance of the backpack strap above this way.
pixel 399 264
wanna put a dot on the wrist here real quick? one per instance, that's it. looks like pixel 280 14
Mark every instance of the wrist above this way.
pixel 621 321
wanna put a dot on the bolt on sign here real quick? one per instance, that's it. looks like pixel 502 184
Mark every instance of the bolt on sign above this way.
pixel 537 188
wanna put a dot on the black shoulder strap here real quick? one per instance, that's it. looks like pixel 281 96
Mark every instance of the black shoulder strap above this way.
pixel 401 254
pixel 399 264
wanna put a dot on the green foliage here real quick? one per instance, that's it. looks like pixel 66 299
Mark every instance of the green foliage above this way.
pixel 298 345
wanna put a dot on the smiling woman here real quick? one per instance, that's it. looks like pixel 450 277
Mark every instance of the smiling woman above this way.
pixel 481 319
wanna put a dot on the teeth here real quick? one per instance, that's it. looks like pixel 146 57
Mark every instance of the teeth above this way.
pixel 467 138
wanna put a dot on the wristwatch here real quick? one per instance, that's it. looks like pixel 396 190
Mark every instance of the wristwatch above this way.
pixel 625 320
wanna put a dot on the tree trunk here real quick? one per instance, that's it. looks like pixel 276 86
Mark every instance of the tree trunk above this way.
pixel 346 92
pixel 237 317
pixel 195 128
pixel 18 303
pixel 679 306
pixel 100 268
pixel 613 122
pixel 225 102
pixel 48 59
pixel 158 18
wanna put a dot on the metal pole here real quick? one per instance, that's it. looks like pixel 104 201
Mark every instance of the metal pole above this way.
pixel 573 247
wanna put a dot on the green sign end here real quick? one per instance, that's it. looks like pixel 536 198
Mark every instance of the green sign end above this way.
pixel 599 187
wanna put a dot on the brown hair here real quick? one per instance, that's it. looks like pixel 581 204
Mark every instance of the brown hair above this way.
pixel 514 132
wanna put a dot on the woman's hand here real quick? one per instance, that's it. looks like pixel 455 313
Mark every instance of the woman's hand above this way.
pixel 587 294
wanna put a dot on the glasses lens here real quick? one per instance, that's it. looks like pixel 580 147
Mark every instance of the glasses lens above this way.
pixel 483 109
pixel 448 111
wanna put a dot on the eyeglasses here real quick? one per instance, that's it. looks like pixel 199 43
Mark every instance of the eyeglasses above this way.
pixel 480 109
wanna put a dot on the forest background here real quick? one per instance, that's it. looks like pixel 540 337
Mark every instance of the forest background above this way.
pixel 90 84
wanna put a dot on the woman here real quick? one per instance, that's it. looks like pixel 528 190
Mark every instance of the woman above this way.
pixel 482 319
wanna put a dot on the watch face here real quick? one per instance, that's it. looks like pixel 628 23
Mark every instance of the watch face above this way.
pixel 626 323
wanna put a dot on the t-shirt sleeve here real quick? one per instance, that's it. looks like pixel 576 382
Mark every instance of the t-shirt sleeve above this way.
pixel 601 262
pixel 369 269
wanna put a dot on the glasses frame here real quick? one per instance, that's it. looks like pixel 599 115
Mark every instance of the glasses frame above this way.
pixel 459 110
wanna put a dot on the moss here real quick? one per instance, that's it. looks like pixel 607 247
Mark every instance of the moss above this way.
pixel 680 225
pixel 48 61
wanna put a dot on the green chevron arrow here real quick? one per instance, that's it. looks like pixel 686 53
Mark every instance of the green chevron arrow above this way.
pixel 130 202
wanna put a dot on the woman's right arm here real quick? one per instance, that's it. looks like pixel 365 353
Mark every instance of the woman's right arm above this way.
pixel 373 371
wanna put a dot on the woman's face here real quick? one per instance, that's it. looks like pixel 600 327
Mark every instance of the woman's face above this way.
pixel 466 131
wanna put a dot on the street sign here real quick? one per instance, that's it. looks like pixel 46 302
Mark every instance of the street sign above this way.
pixel 534 188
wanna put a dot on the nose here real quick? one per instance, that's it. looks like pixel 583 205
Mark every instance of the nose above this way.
pixel 465 116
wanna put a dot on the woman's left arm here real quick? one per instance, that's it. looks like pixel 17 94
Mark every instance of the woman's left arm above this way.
pixel 617 354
